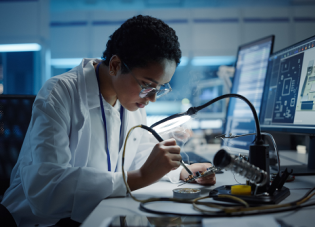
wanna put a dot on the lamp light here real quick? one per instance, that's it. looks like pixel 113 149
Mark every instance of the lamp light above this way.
pixel 171 122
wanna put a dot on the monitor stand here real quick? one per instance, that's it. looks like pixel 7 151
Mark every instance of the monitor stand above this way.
pixel 302 170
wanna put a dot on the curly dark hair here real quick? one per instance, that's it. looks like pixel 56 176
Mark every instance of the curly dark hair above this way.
pixel 142 40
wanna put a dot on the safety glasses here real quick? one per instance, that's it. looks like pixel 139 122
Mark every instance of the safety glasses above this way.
pixel 149 91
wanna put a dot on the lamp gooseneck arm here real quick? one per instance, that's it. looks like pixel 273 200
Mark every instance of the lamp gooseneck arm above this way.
pixel 258 133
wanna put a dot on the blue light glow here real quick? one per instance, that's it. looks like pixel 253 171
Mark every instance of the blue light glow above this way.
pixel 213 60
pixel 20 47
pixel 65 62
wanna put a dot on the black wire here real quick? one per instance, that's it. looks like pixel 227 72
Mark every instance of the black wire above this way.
pixel 222 214
pixel 307 194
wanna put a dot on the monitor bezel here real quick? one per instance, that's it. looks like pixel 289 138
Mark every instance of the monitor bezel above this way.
pixel 298 129
pixel 272 37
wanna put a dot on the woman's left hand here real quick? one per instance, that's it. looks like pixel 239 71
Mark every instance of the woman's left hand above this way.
pixel 210 179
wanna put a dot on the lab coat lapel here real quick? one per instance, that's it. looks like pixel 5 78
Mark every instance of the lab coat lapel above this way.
pixel 126 124
pixel 132 119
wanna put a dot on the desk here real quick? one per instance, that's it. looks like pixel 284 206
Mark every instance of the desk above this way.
pixel 111 207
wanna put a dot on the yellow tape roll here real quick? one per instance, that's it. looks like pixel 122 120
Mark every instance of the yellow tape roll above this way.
pixel 241 190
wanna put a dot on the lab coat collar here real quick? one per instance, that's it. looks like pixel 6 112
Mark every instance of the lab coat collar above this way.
pixel 92 90
pixel 91 83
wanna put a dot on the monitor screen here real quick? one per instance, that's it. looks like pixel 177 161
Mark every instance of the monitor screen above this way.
pixel 249 79
pixel 289 98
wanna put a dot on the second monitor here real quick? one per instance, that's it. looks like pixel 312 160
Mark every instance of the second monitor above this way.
pixel 249 79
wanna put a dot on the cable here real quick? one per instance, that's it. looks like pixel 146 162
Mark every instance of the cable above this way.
pixel 299 202
pixel 215 205
pixel 208 213
pixel 276 149
pixel 235 178
pixel 222 214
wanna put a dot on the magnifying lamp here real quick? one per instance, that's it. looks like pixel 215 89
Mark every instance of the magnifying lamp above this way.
pixel 258 151
pixel 176 120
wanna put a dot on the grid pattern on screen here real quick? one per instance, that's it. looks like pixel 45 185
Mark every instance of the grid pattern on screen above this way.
pixel 289 95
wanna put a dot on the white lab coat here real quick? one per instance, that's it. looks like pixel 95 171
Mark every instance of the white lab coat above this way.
pixel 54 177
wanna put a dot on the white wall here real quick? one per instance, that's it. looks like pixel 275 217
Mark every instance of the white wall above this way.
pixel 24 22
pixel 202 32
pixel 28 22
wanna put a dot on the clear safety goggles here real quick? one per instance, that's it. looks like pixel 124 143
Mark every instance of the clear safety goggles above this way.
pixel 149 91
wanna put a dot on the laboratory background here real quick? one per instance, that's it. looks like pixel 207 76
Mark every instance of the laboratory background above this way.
pixel 40 39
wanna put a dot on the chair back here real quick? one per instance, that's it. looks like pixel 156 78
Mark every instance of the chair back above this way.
pixel 15 116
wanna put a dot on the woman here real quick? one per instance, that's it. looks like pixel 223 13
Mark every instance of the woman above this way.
pixel 71 155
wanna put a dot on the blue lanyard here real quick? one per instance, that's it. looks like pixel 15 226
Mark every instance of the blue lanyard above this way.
pixel 104 118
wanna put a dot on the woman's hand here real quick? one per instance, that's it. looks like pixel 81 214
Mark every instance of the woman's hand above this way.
pixel 201 167
pixel 164 157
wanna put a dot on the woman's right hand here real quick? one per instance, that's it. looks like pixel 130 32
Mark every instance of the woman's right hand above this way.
pixel 164 157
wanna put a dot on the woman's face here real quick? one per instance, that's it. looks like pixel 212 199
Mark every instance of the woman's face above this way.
pixel 127 85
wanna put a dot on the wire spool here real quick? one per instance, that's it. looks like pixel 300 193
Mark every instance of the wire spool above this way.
pixel 186 193
pixel 241 190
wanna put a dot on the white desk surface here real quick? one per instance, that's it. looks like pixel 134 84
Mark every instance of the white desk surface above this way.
pixel 111 207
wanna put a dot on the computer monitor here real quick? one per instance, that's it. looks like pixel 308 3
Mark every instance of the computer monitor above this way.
pixel 15 116
pixel 249 79
pixel 289 96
